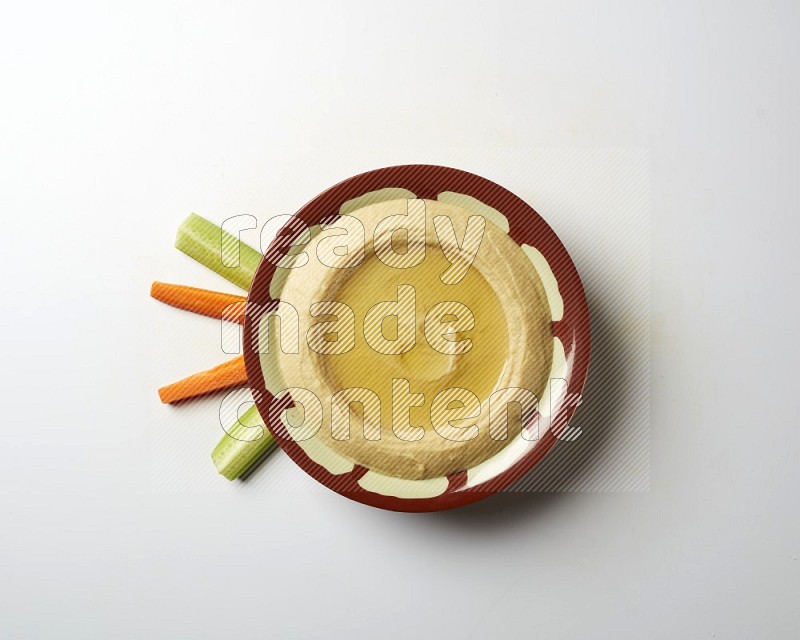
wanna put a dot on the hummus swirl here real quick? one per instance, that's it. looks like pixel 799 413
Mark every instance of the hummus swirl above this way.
pixel 510 346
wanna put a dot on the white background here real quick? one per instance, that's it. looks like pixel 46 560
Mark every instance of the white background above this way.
pixel 116 120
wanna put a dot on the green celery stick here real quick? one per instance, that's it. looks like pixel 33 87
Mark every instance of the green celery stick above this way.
pixel 234 457
pixel 207 243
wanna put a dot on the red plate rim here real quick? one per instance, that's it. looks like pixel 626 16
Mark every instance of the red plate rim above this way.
pixel 526 227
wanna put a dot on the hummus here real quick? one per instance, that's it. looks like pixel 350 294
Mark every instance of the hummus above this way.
pixel 423 348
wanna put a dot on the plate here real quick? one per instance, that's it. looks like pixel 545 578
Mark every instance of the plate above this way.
pixel 571 333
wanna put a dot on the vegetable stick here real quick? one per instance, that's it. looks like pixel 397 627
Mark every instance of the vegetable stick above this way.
pixel 214 304
pixel 208 244
pixel 241 448
pixel 228 374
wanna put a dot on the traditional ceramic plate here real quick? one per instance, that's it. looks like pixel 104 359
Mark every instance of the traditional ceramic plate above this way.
pixel 570 327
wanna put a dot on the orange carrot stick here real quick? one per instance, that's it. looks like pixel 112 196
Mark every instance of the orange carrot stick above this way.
pixel 225 306
pixel 227 375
